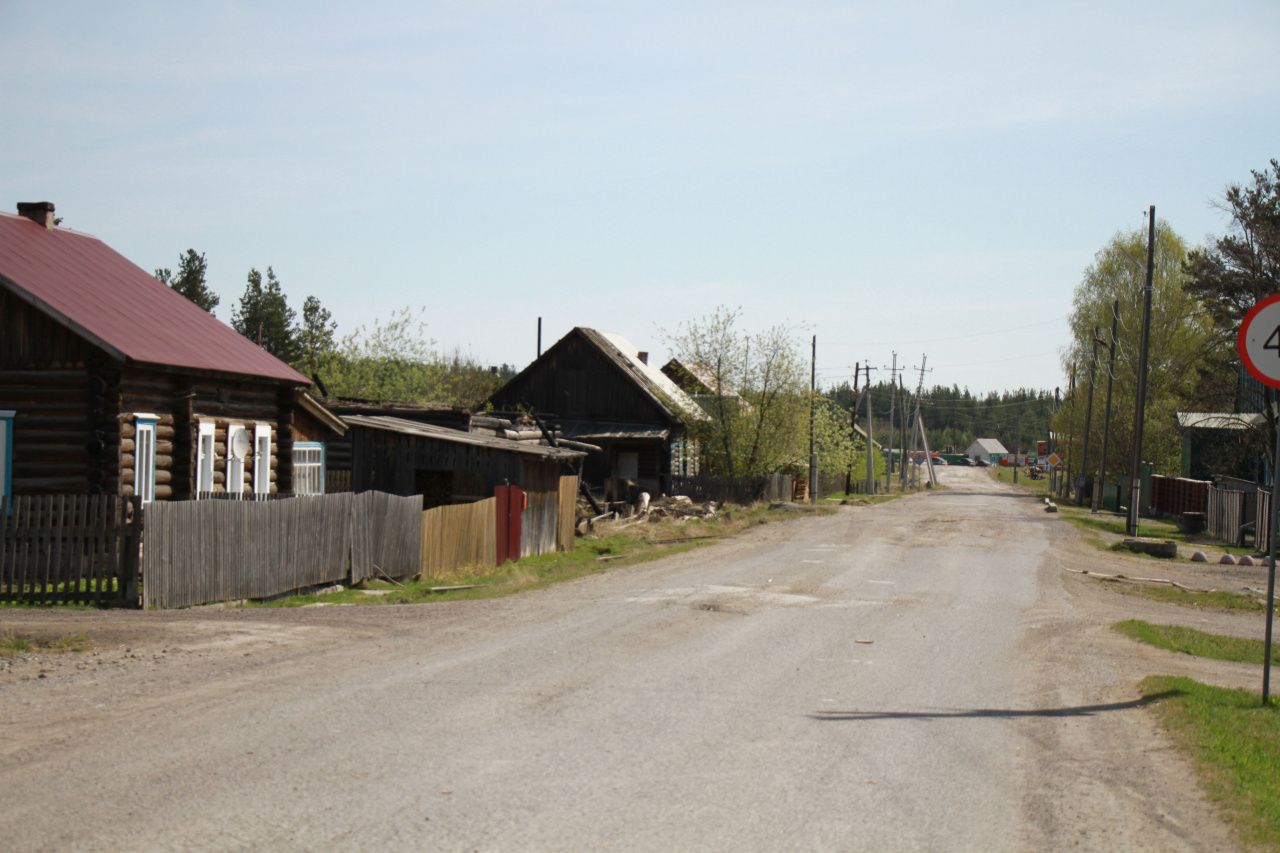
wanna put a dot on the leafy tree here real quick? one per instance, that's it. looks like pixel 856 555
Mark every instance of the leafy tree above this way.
pixel 1243 265
pixel 1229 277
pixel 190 279
pixel 1182 348
pixel 316 336
pixel 264 316
pixel 759 406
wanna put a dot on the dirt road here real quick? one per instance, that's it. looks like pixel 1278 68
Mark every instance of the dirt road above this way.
pixel 918 675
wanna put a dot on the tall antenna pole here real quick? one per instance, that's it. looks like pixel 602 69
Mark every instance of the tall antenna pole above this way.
pixel 539 337
pixel 871 441
pixel 813 413
pixel 1106 420
pixel 1135 464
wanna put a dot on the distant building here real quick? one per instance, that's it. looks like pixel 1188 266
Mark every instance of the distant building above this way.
pixel 987 449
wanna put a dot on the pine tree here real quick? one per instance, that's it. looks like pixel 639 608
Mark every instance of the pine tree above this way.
pixel 264 317
pixel 315 338
pixel 190 280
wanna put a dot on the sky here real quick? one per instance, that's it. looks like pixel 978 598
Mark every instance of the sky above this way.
pixel 926 178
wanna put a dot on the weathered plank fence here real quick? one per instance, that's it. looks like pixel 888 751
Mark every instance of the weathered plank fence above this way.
pixel 1226 515
pixel 457 536
pixel 1262 521
pixel 386 535
pixel 198 552
pixel 62 549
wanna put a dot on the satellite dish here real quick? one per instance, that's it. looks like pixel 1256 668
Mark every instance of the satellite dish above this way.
pixel 240 445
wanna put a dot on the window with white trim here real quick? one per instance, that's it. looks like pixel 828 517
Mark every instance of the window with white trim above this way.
pixel 205 458
pixel 262 459
pixel 237 443
pixel 6 453
pixel 308 468
pixel 144 457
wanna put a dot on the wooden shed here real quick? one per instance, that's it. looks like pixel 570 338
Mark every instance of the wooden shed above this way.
pixel 112 383
pixel 448 466
pixel 597 387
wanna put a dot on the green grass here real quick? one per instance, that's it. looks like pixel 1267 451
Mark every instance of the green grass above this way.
pixel 1115 524
pixel 1217 599
pixel 1005 475
pixel 1176 638
pixel 16 644
pixel 1235 743
pixel 590 555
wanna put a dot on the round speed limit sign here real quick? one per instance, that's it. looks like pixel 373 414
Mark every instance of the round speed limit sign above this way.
pixel 1259 341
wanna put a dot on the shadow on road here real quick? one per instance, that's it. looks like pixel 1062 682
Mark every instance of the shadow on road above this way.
pixel 1078 711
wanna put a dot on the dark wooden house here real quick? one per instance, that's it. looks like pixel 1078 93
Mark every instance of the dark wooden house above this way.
pixel 112 383
pixel 598 388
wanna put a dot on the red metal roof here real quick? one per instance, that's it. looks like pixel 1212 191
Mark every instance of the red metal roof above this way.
pixel 115 304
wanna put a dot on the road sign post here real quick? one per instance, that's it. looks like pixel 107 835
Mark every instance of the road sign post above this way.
pixel 1259 344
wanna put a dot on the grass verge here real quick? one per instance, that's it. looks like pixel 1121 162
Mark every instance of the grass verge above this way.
pixel 1216 599
pixel 1176 638
pixel 1005 475
pixel 1107 522
pixel 590 555
pixel 17 644
pixel 1235 743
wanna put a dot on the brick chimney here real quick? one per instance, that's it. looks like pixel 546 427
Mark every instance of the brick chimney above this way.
pixel 39 212
pixel 643 356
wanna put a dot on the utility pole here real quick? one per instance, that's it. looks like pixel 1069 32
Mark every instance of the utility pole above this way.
pixel 902 438
pixel 1106 420
pixel 539 337
pixel 893 385
pixel 1069 460
pixel 813 413
pixel 1088 420
pixel 853 431
pixel 915 417
pixel 1048 448
pixel 871 442
pixel 1135 466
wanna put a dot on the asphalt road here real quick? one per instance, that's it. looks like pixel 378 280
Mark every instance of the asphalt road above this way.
pixel 905 677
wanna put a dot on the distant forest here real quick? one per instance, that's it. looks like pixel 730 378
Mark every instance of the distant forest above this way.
pixel 954 417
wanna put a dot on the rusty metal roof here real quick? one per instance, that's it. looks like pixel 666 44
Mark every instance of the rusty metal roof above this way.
pixel 421 430
pixel 116 305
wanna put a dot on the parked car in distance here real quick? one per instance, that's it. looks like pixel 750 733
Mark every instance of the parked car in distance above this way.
pixel 982 463
pixel 963 460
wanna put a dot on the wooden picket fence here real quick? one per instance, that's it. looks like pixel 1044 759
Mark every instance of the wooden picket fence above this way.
pixel 199 552
pixel 458 536
pixel 63 549
pixel 1262 521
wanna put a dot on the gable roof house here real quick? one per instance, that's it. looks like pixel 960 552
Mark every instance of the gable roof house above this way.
pixel 598 388
pixel 112 383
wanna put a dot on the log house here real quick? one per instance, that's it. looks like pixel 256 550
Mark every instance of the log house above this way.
pixel 112 383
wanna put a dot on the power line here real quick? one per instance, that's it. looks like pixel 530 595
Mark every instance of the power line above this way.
pixel 983 334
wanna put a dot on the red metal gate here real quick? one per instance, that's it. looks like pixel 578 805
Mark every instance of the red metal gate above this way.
pixel 511 502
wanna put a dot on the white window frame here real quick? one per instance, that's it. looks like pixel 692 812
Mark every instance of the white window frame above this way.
pixel 6 453
pixel 235 467
pixel 304 470
pixel 206 457
pixel 262 459
pixel 144 456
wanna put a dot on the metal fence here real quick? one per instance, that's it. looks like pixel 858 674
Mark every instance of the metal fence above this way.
pixel 738 490
pixel 62 549
pixel 1176 495
pixel 199 552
